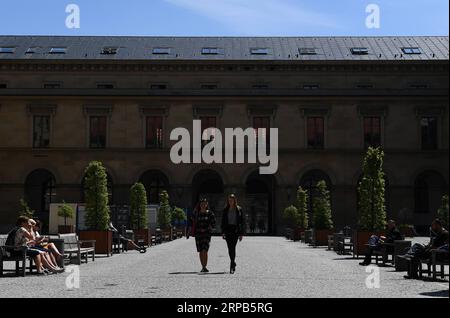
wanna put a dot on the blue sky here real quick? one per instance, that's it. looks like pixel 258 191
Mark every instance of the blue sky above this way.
pixel 224 17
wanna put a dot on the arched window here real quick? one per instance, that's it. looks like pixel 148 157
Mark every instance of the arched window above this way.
pixel 40 188
pixel 154 182
pixel 429 187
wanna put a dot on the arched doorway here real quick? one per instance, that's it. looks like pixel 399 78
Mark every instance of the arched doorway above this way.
pixel 109 185
pixel 259 203
pixel 154 182
pixel 40 192
pixel 429 187
pixel 309 182
pixel 208 184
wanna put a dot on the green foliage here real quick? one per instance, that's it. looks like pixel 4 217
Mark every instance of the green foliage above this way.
pixel 25 210
pixel 138 207
pixel 321 209
pixel 178 215
pixel 371 205
pixel 443 211
pixel 290 214
pixel 96 193
pixel 302 207
pixel 165 211
pixel 66 211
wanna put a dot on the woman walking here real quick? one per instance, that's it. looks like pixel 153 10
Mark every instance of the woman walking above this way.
pixel 202 223
pixel 233 228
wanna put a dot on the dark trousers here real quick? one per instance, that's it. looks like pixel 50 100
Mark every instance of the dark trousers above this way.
pixel 370 249
pixel 231 236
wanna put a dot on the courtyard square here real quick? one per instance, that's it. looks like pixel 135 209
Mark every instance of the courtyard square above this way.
pixel 266 267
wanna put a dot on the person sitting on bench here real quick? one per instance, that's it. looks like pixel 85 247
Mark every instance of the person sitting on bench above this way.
pixel 375 242
pixel 124 240
pixel 417 252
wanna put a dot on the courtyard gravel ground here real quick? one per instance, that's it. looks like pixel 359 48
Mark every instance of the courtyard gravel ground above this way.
pixel 267 267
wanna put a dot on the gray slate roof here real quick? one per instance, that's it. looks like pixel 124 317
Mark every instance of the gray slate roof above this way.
pixel 232 48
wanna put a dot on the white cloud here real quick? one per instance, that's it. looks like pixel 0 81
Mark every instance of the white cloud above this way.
pixel 253 17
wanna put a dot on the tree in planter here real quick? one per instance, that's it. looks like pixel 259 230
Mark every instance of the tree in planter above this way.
pixel 138 207
pixel 178 215
pixel 96 193
pixel 372 209
pixel 165 211
pixel 321 209
pixel 443 211
pixel 302 207
pixel 25 210
pixel 290 214
pixel 65 211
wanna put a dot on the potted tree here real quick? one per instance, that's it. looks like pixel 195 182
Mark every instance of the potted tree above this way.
pixel 178 217
pixel 302 208
pixel 290 214
pixel 67 212
pixel 164 215
pixel 321 213
pixel 97 209
pixel 24 209
pixel 138 213
pixel 371 205
pixel 443 211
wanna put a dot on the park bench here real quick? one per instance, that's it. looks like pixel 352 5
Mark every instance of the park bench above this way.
pixel 398 247
pixel 344 245
pixel 73 246
pixel 20 259
pixel 438 258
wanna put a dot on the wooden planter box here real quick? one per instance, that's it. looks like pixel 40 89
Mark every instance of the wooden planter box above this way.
pixel 297 234
pixel 360 241
pixel 66 229
pixel 103 241
pixel 308 236
pixel 144 235
pixel 167 234
pixel 320 237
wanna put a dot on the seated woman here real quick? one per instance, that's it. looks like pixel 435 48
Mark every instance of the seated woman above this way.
pixel 42 241
pixel 48 259
pixel 23 238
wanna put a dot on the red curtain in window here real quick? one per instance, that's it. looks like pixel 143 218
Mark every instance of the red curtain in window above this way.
pixel 154 131
pixel 315 131
pixel 262 123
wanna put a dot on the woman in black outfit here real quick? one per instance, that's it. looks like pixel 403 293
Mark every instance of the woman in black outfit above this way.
pixel 233 228
pixel 202 223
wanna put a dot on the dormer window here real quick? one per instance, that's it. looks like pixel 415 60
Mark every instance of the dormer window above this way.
pixel 58 50
pixel 359 50
pixel 161 51
pixel 211 51
pixel 109 50
pixel 259 51
pixel 32 50
pixel 411 50
pixel 307 51
pixel 7 50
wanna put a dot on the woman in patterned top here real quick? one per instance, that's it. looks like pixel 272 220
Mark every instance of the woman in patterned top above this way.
pixel 202 223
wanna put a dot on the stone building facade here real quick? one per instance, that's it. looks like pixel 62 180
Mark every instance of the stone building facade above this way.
pixel 66 101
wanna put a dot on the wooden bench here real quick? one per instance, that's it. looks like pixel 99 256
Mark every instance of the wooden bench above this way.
pixel 344 245
pixel 398 247
pixel 73 246
pixel 20 259
pixel 438 258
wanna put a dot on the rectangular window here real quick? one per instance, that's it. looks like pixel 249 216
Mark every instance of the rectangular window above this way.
pixel 154 132
pixel 41 131
pixel 7 50
pixel 3 85
pixel 372 132
pixel 311 86
pixel 52 85
pixel 260 86
pixel 315 132
pixel 264 124
pixel 158 86
pixel 161 50
pixel 208 86
pixel 359 50
pixel 97 132
pixel 429 133
pixel 411 50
